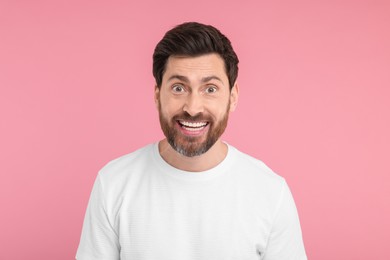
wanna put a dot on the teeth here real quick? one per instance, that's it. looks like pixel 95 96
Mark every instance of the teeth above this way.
pixel 193 124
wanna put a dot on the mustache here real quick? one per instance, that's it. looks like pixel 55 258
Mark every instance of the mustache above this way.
pixel 187 117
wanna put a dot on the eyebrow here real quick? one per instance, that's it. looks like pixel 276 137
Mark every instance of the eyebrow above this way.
pixel 186 80
pixel 179 77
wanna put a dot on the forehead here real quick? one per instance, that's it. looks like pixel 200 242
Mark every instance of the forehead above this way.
pixel 196 67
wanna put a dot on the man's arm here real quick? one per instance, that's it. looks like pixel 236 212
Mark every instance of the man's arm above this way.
pixel 98 239
pixel 285 241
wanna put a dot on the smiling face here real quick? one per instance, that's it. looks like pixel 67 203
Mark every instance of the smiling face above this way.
pixel 194 102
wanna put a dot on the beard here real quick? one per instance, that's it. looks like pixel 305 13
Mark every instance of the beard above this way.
pixel 191 146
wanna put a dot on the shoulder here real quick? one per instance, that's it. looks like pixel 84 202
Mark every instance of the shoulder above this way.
pixel 126 166
pixel 254 167
pixel 256 176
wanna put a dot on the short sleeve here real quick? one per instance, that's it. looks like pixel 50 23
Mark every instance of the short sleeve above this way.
pixel 285 240
pixel 98 238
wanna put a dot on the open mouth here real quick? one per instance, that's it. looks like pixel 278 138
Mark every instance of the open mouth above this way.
pixel 192 126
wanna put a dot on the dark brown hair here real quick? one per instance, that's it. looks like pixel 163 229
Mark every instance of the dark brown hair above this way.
pixel 194 39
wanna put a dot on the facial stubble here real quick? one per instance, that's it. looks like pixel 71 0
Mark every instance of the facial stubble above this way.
pixel 191 146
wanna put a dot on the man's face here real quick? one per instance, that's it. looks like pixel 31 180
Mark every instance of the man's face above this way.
pixel 194 102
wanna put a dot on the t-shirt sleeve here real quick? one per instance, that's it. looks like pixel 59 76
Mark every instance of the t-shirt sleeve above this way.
pixel 98 238
pixel 285 240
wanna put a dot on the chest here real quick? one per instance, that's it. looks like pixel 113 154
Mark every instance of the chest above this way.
pixel 190 222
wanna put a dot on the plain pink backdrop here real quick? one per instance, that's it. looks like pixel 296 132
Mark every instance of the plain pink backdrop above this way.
pixel 76 91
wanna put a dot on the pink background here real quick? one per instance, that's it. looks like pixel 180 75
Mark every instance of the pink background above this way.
pixel 77 91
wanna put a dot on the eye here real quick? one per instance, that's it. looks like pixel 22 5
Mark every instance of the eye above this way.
pixel 178 88
pixel 211 89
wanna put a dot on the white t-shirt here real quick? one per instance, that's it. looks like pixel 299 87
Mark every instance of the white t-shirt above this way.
pixel 141 208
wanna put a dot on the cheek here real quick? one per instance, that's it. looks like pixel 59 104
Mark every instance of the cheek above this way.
pixel 218 109
pixel 170 105
pixel 169 109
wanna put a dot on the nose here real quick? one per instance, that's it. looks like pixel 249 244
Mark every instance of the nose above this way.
pixel 193 104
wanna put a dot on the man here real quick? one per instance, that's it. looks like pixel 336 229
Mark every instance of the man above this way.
pixel 191 196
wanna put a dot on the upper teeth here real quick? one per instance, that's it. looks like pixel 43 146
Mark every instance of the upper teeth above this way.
pixel 193 124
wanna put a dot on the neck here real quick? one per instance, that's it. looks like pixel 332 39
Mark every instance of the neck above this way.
pixel 203 162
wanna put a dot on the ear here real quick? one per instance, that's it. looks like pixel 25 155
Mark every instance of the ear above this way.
pixel 156 95
pixel 233 97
